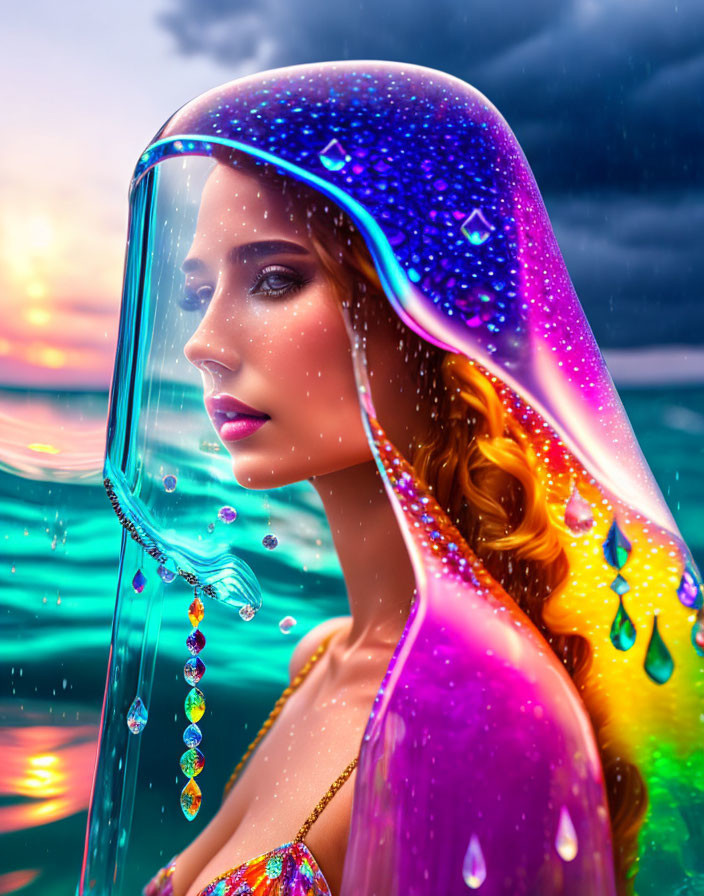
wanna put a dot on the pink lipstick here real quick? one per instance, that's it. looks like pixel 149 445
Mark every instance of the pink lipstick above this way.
pixel 233 419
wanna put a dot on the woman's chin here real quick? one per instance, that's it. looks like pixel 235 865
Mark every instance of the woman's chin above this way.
pixel 258 471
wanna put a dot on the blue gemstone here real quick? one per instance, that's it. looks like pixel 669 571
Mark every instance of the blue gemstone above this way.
pixel 137 716
pixel 139 581
pixel 620 585
pixel 192 736
pixel 334 157
pixel 616 547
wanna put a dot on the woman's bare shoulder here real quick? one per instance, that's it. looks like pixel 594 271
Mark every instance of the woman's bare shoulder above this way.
pixel 311 641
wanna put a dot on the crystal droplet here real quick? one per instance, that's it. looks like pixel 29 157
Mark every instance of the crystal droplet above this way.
pixel 169 483
pixel 476 228
pixel 620 585
pixel 139 581
pixel 192 736
pixel 165 574
pixel 566 839
pixel 578 512
pixel 196 612
pixel 623 632
pixel 137 716
pixel 247 612
pixel 270 541
pixel 659 664
pixel 191 799
pixel 689 590
pixel 194 705
pixel 192 762
pixel 698 637
pixel 334 157
pixel 227 514
pixel 616 547
pixel 286 624
pixel 474 866
pixel 195 642
pixel 194 670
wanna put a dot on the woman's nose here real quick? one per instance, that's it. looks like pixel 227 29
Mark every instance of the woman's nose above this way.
pixel 210 344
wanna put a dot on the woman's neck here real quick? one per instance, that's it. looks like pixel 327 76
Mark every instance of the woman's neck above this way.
pixel 372 553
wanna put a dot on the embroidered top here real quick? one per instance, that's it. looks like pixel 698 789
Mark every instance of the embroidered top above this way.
pixel 287 870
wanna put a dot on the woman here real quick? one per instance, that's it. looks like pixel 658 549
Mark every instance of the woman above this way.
pixel 513 487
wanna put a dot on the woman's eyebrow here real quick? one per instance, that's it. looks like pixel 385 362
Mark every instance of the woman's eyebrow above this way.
pixel 250 251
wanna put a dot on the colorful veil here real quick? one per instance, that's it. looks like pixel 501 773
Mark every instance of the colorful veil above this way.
pixel 482 766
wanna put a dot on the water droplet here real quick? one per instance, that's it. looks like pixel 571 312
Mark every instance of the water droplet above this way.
pixel 578 512
pixel 194 670
pixel 195 642
pixel 616 547
pixel 620 585
pixel 623 632
pixel 196 612
pixel 474 866
pixel 227 514
pixel 247 612
pixel 286 624
pixel 194 705
pixel 191 798
pixel 165 574
pixel 659 664
pixel 169 483
pixel 270 541
pixel 334 157
pixel 192 762
pixel 137 716
pixel 192 736
pixel 566 839
pixel 139 581
pixel 476 228
pixel 689 590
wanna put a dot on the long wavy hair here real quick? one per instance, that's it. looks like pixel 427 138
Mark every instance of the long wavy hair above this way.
pixel 477 461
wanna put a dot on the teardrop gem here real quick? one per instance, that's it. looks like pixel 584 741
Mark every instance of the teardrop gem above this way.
pixel 137 716
pixel 476 228
pixel 139 581
pixel 194 670
pixel 620 585
pixel 623 632
pixel 698 636
pixel 689 590
pixel 566 839
pixel 192 736
pixel 196 612
pixel 195 642
pixel 194 705
pixel 474 866
pixel 334 157
pixel 191 799
pixel 658 659
pixel 578 513
pixel 192 762
pixel 616 547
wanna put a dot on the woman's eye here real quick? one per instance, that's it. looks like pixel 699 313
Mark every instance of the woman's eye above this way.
pixel 276 282
pixel 195 298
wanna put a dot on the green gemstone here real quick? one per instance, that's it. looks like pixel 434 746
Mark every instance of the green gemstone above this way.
pixel 623 632
pixel 273 866
pixel 194 705
pixel 192 762
pixel 658 659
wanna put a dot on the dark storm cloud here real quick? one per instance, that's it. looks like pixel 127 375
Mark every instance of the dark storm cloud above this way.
pixel 605 98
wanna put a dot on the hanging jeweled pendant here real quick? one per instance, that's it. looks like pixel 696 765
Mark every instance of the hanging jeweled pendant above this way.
pixel 578 512
pixel 137 716
pixel 192 762
pixel 658 659
pixel 196 612
pixel 620 585
pixel 623 632
pixel 191 798
pixel 616 547
pixel 139 581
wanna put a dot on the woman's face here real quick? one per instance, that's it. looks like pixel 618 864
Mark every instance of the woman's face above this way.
pixel 272 336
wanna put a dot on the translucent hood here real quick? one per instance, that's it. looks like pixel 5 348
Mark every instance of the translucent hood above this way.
pixel 341 271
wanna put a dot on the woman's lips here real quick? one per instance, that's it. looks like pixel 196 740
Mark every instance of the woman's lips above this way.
pixel 240 427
